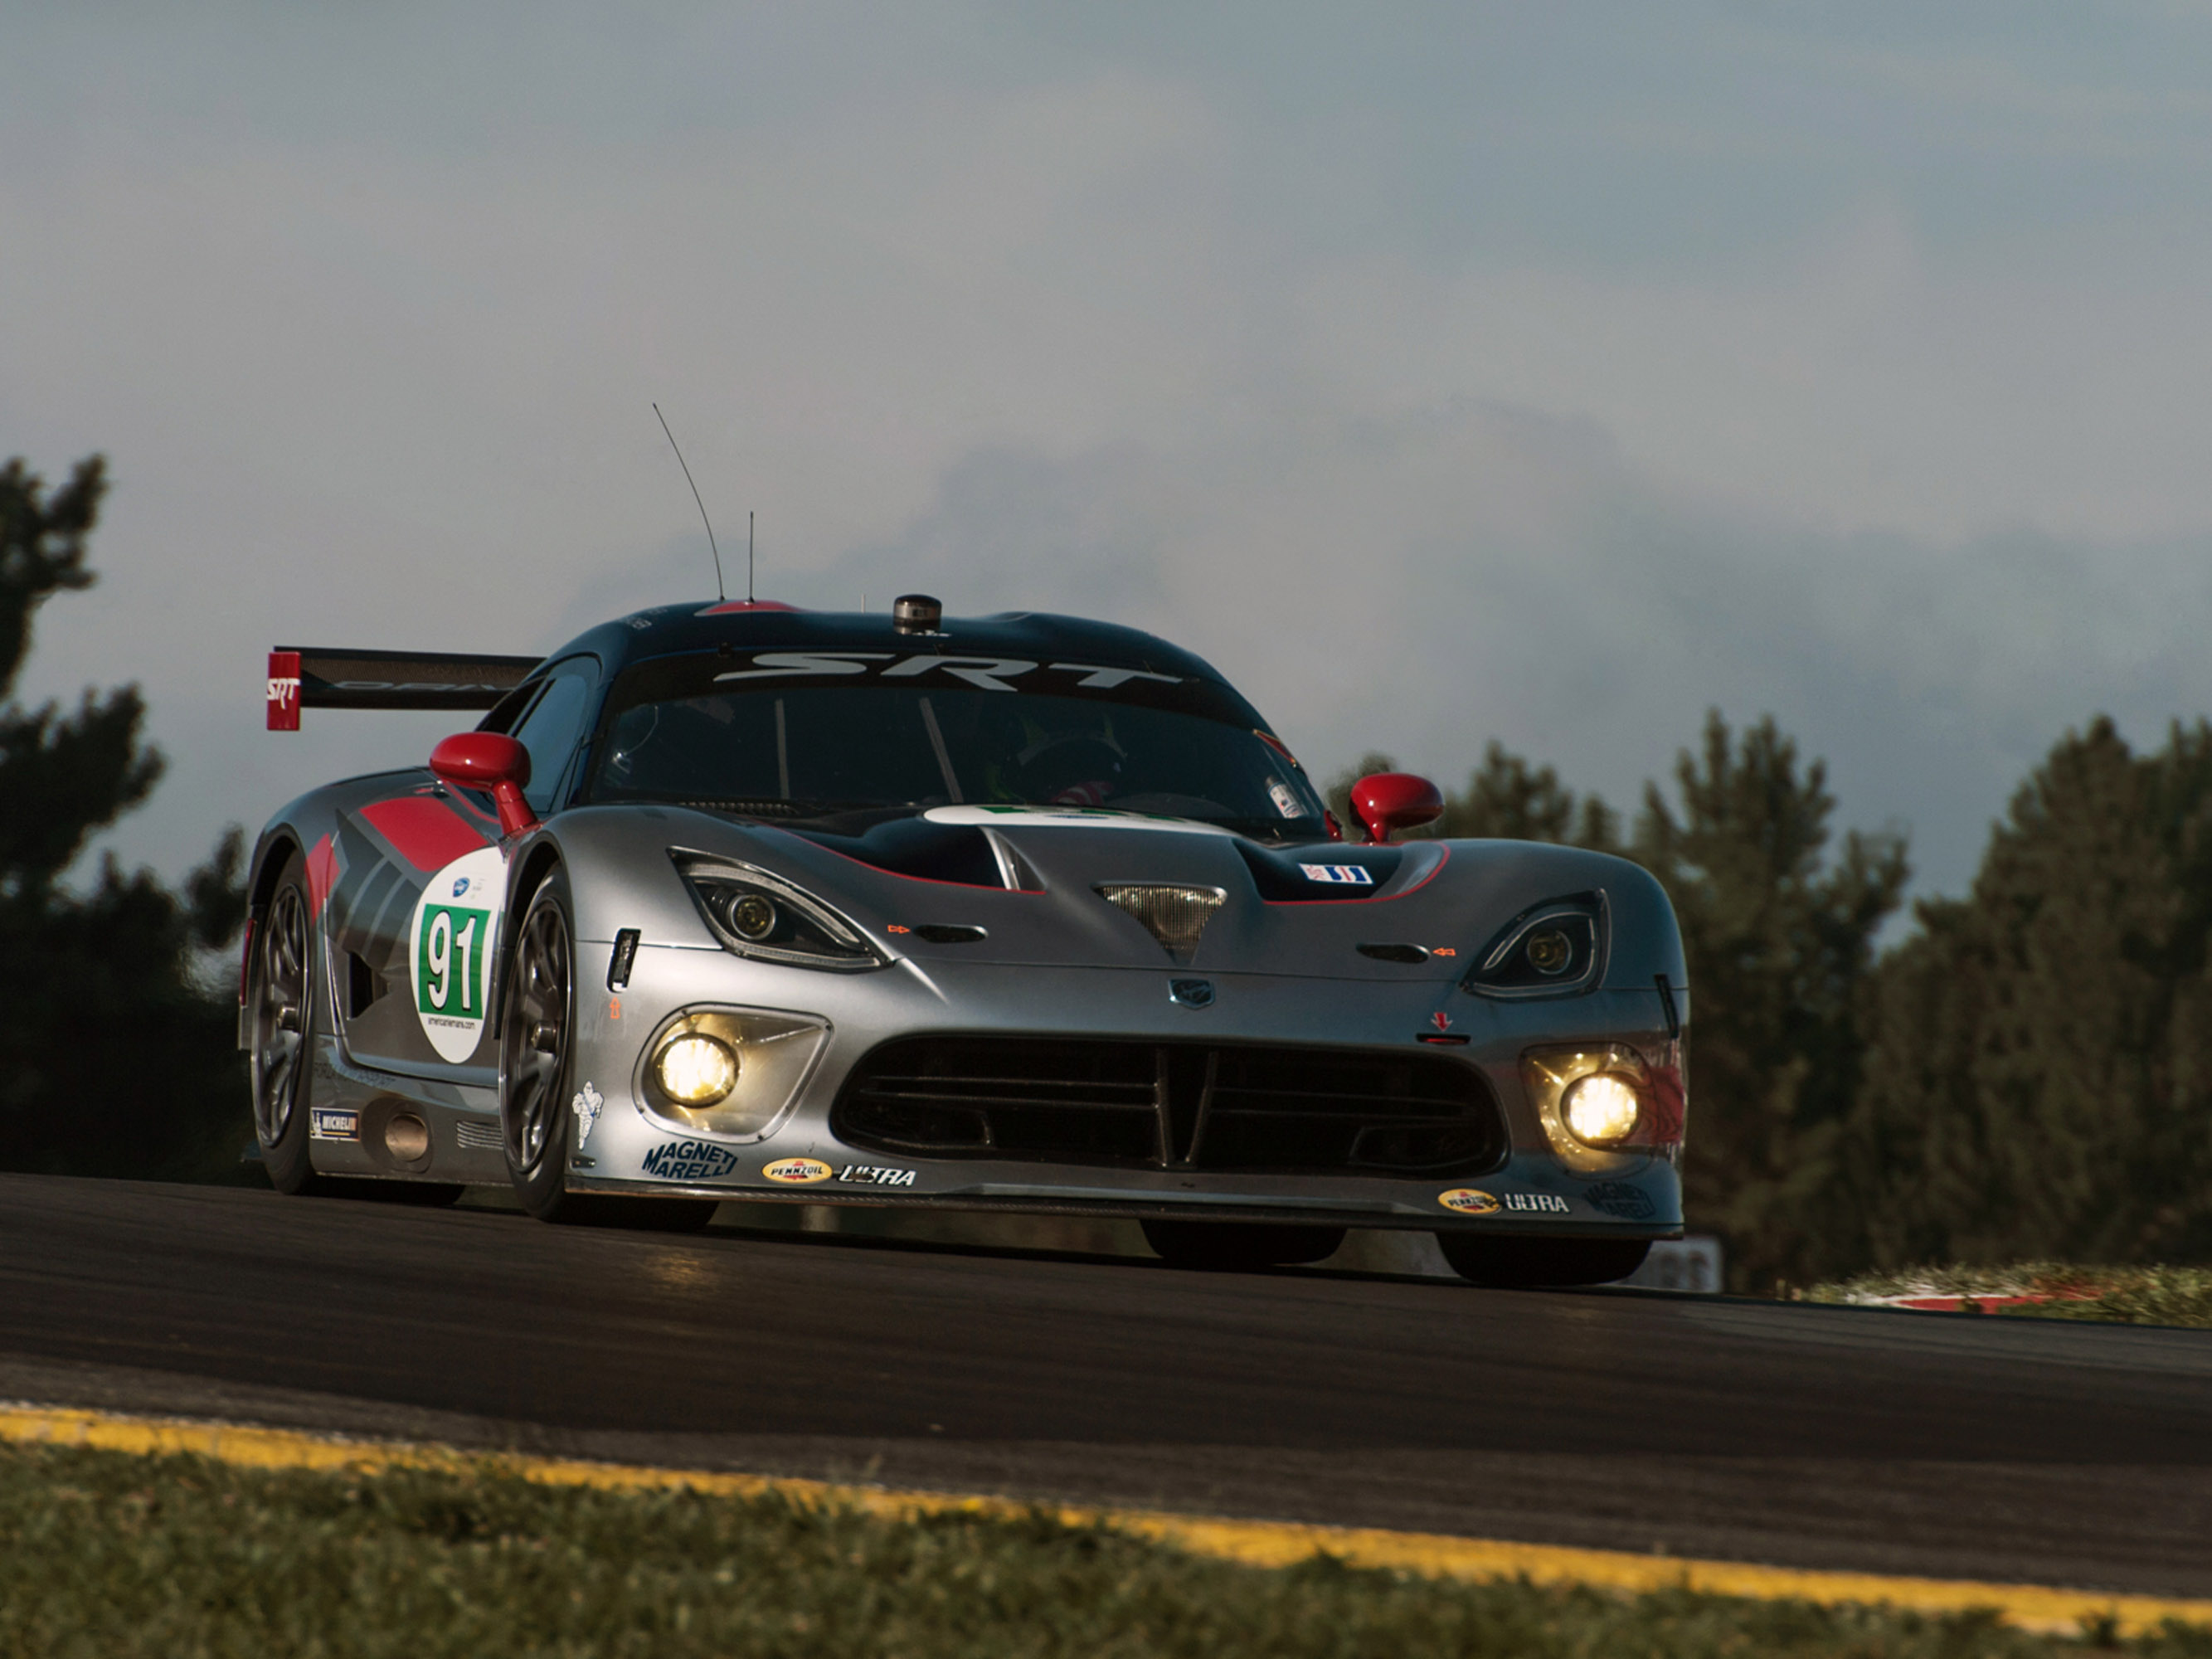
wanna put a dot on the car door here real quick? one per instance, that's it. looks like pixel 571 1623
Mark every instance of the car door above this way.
pixel 416 905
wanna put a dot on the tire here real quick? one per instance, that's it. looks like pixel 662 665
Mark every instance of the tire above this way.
pixel 537 1059
pixel 280 998
pixel 1239 1246
pixel 1489 1259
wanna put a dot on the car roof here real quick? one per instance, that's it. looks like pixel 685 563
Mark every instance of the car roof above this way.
pixel 702 625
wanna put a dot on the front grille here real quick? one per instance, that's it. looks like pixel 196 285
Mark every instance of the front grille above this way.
pixel 1171 1105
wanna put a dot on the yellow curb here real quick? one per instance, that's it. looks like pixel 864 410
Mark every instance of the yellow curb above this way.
pixel 1255 1543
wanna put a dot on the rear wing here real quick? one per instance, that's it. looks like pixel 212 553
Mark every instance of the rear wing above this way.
pixel 318 677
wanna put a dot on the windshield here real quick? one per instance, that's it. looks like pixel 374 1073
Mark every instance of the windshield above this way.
pixel 917 732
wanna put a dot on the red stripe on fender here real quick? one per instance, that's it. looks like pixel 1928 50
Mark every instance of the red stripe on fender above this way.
pixel 322 874
pixel 428 833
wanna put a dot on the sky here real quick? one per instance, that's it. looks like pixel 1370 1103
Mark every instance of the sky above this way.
pixel 1441 374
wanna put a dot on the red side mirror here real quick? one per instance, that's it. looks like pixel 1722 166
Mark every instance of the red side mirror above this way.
pixel 493 761
pixel 1390 801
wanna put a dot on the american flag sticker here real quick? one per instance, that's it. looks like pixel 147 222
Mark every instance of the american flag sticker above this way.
pixel 1348 875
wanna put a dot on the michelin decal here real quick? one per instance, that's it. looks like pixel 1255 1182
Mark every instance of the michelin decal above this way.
pixel 333 1124
pixel 587 1106
pixel 449 947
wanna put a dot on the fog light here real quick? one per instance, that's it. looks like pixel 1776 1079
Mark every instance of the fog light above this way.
pixel 1599 1111
pixel 695 1070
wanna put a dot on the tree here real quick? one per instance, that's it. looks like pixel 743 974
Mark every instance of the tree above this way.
pixel 1509 800
pixel 2040 1079
pixel 113 1058
pixel 1779 943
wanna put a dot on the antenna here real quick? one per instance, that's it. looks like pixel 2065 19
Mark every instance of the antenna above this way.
pixel 719 596
pixel 749 557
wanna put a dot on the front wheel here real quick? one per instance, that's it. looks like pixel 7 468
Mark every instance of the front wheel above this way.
pixel 537 1040
pixel 281 994
pixel 1489 1259
pixel 1240 1246
pixel 536 1056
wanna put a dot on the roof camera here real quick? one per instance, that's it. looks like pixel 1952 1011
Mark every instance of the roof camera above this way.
pixel 916 613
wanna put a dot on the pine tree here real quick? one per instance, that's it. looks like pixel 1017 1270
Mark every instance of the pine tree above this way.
pixel 2040 1082
pixel 1508 799
pixel 113 1058
pixel 1779 941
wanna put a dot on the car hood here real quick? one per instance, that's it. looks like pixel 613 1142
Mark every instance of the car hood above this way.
pixel 1029 878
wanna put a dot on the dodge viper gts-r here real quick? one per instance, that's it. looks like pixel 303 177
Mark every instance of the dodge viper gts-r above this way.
pixel 1011 913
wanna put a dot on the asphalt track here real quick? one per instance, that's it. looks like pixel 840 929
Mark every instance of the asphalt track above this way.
pixel 1949 1446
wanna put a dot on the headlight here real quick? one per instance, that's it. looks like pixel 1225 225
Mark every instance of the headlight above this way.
pixel 727 1071
pixel 763 916
pixel 1553 950
pixel 695 1070
pixel 1606 1106
pixel 1601 1110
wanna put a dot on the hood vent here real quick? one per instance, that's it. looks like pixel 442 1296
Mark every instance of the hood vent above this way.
pixel 1174 915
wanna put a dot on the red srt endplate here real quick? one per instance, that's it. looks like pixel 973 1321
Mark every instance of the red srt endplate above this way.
pixel 283 691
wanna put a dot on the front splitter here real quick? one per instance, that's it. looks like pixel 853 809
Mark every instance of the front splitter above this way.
pixel 1325 1213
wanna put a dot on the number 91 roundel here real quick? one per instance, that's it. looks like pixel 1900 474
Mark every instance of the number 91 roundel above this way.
pixel 449 944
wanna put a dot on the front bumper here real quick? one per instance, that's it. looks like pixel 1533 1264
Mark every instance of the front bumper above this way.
pixel 799 1157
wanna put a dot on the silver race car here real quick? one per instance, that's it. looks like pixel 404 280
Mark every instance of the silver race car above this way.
pixel 1016 913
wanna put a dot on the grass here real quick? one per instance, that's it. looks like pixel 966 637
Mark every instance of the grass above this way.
pixel 110 1554
pixel 2130 1296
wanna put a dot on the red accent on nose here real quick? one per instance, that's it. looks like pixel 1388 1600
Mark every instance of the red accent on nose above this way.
pixel 1441 1020
pixel 1390 801
pixel 493 761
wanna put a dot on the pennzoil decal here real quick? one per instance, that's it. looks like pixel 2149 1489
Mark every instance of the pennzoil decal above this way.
pixel 1468 1200
pixel 449 950
pixel 798 1171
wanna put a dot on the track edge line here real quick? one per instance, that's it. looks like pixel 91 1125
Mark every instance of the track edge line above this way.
pixel 1253 1543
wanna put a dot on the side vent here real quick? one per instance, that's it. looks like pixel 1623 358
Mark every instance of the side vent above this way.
pixel 363 985
pixel 1175 917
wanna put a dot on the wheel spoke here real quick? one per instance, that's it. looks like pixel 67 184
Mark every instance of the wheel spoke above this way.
pixel 535 1037
pixel 280 1033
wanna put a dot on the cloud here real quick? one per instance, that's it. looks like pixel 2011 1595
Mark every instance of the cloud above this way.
pixel 1476 569
pixel 1428 414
